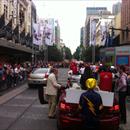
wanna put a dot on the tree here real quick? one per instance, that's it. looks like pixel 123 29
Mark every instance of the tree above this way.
pixel 68 54
pixel 54 54
pixel 88 54
pixel 76 53
pixel 85 54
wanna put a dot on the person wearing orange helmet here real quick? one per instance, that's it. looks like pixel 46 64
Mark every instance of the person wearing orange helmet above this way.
pixel 90 105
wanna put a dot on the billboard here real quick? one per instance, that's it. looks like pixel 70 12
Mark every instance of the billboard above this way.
pixel 37 35
pixel 122 60
pixel 49 32
pixel 92 31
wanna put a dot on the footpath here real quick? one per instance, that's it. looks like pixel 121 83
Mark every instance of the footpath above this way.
pixel 9 95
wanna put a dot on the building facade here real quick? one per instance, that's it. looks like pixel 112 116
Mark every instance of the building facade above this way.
pixel 116 8
pixel 15 30
pixel 125 21
pixel 92 13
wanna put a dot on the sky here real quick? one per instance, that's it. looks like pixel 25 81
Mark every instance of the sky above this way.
pixel 71 15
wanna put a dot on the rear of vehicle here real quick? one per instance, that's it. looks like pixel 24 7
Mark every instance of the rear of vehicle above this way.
pixel 38 77
pixel 68 116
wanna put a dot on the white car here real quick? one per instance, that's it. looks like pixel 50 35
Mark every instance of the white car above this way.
pixel 38 77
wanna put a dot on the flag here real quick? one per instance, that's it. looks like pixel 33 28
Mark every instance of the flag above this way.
pixel 37 36
pixel 2 26
pixel 22 37
pixel 2 21
pixel 16 33
pixel 9 31
pixel 49 31
pixel 93 32
pixel 27 39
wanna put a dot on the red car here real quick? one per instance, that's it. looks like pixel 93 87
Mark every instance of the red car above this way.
pixel 68 115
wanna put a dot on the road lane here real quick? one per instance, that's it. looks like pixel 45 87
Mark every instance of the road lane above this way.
pixel 22 111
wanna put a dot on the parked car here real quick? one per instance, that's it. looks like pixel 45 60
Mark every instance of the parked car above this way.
pixel 68 115
pixel 38 78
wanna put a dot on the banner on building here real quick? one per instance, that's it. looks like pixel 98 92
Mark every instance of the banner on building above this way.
pixel 37 36
pixel 15 8
pixel 93 31
pixel 103 29
pixel 49 32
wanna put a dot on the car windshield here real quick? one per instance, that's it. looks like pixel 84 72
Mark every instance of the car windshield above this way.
pixel 41 70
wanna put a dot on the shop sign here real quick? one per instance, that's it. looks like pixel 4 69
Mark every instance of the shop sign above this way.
pixel 123 50
pixel 110 51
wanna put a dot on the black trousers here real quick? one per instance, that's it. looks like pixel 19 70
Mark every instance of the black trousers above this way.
pixel 122 104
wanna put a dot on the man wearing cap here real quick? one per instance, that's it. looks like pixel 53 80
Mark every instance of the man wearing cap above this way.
pixel 90 105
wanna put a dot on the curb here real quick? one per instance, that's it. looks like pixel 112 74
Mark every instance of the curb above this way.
pixel 6 97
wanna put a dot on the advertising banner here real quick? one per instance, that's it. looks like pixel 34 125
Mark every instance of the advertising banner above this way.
pixel 15 8
pixel 92 32
pixel 103 34
pixel 49 32
pixel 37 36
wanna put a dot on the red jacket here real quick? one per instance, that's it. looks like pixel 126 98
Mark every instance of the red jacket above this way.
pixel 105 83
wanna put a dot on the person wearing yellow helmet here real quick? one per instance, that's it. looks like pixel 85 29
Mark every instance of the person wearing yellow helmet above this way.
pixel 90 104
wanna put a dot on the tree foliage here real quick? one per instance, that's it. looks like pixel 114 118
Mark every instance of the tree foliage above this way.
pixel 68 54
pixel 85 54
pixel 54 54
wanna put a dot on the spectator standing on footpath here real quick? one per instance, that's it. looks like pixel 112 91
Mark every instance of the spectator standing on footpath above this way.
pixel 90 105
pixel 51 91
pixel 121 89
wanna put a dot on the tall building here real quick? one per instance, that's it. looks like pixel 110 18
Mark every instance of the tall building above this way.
pixel 57 32
pixel 116 8
pixel 125 21
pixel 82 36
pixel 93 13
pixel 95 10
pixel 15 30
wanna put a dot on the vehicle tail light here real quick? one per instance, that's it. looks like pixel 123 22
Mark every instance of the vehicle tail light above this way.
pixel 115 108
pixel 65 106
pixel 46 75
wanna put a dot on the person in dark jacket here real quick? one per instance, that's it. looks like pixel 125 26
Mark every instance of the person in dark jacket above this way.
pixel 121 89
pixel 90 105
pixel 87 74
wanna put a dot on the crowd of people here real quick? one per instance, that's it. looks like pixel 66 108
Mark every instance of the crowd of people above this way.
pixel 109 78
pixel 12 74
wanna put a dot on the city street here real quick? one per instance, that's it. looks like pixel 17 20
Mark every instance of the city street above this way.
pixel 20 109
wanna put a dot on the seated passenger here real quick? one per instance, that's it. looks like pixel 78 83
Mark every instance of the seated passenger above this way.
pixel 90 105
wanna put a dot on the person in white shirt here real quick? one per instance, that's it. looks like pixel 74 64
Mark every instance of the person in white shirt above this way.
pixel 51 91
